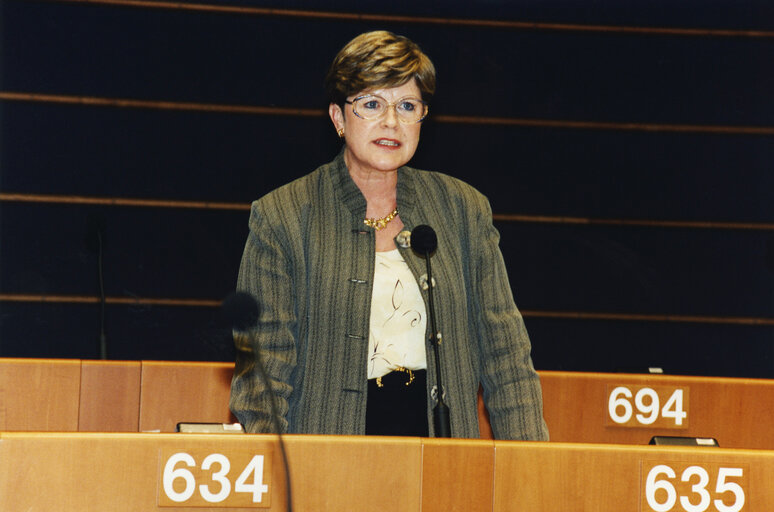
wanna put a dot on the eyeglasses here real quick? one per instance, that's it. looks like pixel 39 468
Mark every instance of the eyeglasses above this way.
pixel 371 107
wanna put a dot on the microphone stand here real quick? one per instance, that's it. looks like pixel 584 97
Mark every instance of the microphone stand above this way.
pixel 441 420
pixel 102 301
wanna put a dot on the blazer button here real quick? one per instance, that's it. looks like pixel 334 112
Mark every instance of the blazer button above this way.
pixel 423 282
pixel 404 239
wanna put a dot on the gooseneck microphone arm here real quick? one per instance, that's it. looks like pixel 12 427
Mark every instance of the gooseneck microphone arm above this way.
pixel 242 311
pixel 424 241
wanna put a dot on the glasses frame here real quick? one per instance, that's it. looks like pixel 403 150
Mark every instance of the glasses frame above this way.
pixel 393 105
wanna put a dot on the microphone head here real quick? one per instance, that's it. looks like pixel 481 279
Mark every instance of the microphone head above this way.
pixel 424 239
pixel 240 310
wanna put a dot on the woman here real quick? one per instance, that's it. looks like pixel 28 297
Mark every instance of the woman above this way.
pixel 342 326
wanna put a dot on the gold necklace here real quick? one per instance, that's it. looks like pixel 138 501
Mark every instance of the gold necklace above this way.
pixel 379 224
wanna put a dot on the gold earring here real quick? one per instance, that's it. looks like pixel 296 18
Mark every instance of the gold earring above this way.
pixel 340 131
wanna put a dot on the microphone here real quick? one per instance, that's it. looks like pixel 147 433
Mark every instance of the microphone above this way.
pixel 425 242
pixel 424 239
pixel 241 310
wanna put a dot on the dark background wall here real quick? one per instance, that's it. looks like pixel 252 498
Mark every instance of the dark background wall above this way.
pixel 626 149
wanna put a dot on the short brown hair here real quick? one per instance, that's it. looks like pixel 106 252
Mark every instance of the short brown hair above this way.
pixel 378 59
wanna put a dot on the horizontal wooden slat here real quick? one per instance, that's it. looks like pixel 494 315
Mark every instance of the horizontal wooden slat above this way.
pixel 500 217
pixel 585 315
pixel 120 201
pixel 510 217
pixel 214 303
pixel 445 21
pixel 596 125
pixel 444 118
pixel 159 105
pixel 80 299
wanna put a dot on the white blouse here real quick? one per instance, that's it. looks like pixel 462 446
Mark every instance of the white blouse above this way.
pixel 398 318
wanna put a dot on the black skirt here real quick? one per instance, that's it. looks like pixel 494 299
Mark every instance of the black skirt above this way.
pixel 397 409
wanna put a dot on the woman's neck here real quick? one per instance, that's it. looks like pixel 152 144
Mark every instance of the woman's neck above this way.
pixel 378 187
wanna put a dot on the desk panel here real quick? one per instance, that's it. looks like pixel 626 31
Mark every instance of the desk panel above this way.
pixel 457 475
pixel 739 413
pixel 173 392
pixel 602 478
pixel 121 472
pixel 39 394
pixel 109 396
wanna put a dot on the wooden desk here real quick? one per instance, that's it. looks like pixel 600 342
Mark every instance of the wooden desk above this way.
pixel 739 413
pixel 125 472
pixel 132 396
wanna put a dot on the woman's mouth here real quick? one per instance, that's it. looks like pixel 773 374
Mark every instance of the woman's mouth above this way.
pixel 390 143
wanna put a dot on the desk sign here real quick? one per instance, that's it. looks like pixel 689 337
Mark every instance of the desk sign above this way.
pixel 685 487
pixel 647 406
pixel 200 478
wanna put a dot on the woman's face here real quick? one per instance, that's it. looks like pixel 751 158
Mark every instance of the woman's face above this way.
pixel 381 144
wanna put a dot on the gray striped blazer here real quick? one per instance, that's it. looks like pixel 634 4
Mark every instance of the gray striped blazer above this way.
pixel 309 260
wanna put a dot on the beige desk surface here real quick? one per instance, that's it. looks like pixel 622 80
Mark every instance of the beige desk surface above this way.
pixel 121 472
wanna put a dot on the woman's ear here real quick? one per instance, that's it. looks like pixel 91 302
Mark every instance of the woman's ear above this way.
pixel 337 116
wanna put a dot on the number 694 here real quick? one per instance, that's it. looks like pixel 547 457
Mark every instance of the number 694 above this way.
pixel 641 406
